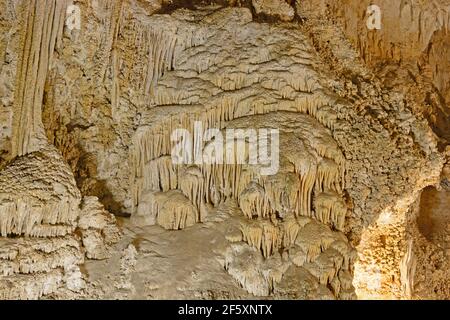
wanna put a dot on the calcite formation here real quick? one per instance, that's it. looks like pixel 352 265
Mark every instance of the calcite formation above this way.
pixel 31 268
pixel 267 148
pixel 275 8
pixel 98 228
pixel 39 196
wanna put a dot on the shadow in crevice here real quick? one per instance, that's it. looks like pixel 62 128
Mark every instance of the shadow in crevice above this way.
pixel 168 8
pixel 434 215
pixel 85 176
pixel 66 137
pixel 84 168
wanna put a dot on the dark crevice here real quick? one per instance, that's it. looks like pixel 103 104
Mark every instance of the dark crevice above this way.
pixel 169 8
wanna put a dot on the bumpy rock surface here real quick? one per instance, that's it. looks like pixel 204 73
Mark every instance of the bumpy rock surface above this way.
pixel 38 196
pixel 87 122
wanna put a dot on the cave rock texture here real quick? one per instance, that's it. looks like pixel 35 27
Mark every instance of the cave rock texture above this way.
pixel 93 204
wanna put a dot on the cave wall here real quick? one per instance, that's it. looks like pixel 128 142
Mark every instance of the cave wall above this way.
pixel 109 95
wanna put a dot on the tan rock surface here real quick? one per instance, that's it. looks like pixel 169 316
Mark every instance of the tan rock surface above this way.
pixel 86 120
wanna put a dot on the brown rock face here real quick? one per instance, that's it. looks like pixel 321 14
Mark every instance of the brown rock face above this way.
pixel 242 149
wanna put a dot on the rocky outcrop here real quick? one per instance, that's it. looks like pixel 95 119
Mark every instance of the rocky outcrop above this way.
pixel 38 196
pixel 98 228
pixel 311 197
pixel 276 8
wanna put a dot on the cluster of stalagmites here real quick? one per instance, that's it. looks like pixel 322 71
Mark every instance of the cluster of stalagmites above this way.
pixel 41 213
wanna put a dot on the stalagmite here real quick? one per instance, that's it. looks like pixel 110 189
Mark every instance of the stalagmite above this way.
pixel 98 229
pixel 32 201
pixel 175 211
pixel 258 276
pixel 42 31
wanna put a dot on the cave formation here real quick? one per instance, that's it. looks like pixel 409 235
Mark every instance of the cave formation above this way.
pixel 93 205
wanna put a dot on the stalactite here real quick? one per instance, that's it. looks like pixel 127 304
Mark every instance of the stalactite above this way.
pixel 43 29
pixel 326 267
pixel 305 165
pixel 160 174
pixel 327 272
pixel 35 261
pixel 291 229
pixel 20 216
pixel 253 202
pixel 304 168
pixel 271 239
pixel 263 236
pixel 329 175
pixel 345 279
pixel 252 234
pixel 32 267
pixel 298 256
pixel 408 269
pixel 192 185
pixel 18 286
pixel 326 116
pixel 159 58
pixel 306 241
pixel 347 252
pixel 163 44
pixel 311 158
pixel 282 191
pixel 330 209
pixel 154 141
pixel 336 286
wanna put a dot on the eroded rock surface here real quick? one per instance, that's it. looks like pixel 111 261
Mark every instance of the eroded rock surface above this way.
pixel 87 132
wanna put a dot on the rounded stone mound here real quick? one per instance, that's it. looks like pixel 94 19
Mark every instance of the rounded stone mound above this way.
pixel 38 196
